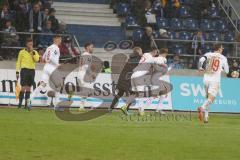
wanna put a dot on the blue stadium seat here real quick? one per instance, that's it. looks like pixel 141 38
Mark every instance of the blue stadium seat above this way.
pixel 206 25
pixel 131 22
pixel 229 37
pixel 176 24
pixel 190 24
pixel 184 12
pixel 213 12
pixel 156 34
pixel 176 45
pixel 177 48
pixel 226 50
pixel 180 50
pixel 123 9
pixel 214 36
pixel 185 36
pixel 172 35
pixel 221 25
pixel 137 34
pixel 162 23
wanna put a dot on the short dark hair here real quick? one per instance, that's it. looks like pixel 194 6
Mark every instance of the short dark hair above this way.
pixel 88 44
pixel 29 39
pixel 163 51
pixel 57 36
pixel 217 46
pixel 154 48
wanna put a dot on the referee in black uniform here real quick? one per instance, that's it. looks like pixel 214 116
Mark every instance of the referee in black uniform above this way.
pixel 25 68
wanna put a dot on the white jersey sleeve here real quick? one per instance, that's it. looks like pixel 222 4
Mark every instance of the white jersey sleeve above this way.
pixel 225 66
pixel 201 62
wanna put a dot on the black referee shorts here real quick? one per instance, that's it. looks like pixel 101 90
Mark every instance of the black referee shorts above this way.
pixel 27 77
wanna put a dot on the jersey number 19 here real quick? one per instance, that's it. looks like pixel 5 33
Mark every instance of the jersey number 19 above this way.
pixel 213 65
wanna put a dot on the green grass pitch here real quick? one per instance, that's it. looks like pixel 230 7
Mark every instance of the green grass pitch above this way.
pixel 40 135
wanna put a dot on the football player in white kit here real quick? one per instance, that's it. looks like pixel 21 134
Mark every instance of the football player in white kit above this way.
pixel 51 59
pixel 141 77
pixel 160 68
pixel 212 63
pixel 85 77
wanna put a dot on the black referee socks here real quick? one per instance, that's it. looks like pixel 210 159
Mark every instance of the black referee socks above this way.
pixel 21 96
pixel 27 95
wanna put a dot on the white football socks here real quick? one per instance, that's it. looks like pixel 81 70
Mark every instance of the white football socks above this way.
pixel 206 104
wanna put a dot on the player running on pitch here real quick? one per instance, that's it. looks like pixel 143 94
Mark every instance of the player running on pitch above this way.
pixel 212 63
pixel 51 57
pixel 124 81
pixel 141 79
pixel 84 77
pixel 159 88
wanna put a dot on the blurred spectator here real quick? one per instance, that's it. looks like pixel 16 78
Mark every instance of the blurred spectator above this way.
pixel 238 38
pixel 47 3
pixel 106 67
pixel 10 38
pixel 139 12
pixel 35 19
pixel 45 15
pixel 62 28
pixel 198 43
pixel 175 63
pixel 146 41
pixel 5 15
pixel 170 7
pixel 46 40
pixel 22 10
pixel 25 6
pixel 234 70
pixel 13 4
pixel 67 49
pixel 53 19
pixel 150 14
pixel 163 35
pixel 200 8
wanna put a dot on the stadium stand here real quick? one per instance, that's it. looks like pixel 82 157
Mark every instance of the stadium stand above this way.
pixel 182 24
pixel 90 22
pixel 100 23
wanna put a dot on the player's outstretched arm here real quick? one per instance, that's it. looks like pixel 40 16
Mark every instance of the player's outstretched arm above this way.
pixel 226 66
